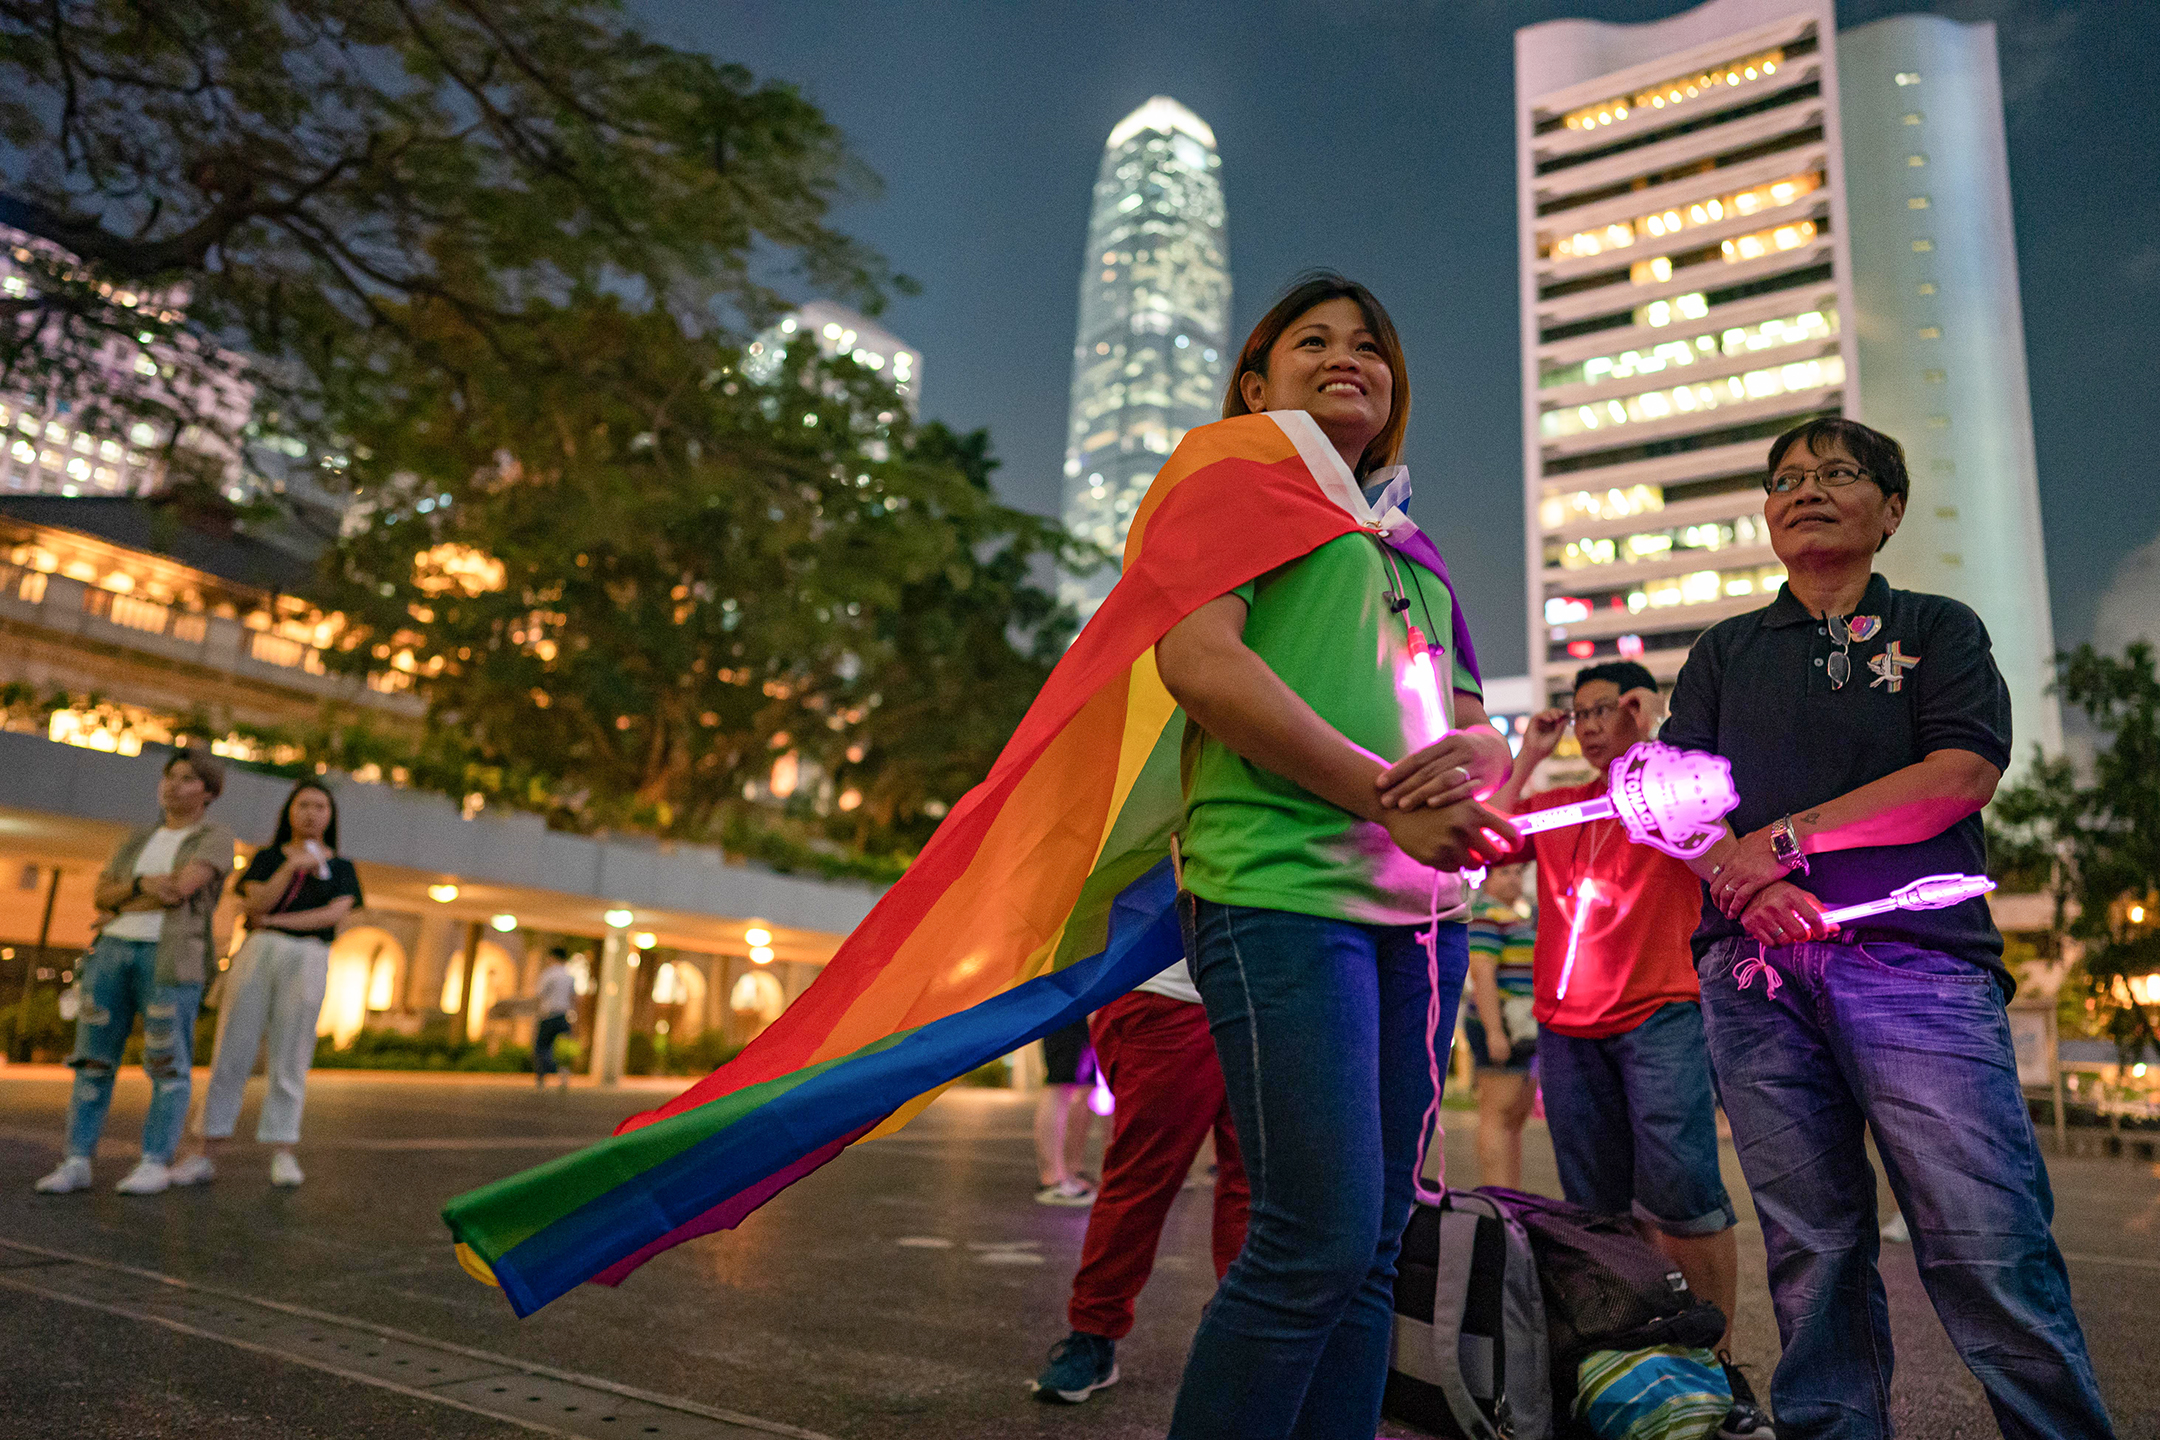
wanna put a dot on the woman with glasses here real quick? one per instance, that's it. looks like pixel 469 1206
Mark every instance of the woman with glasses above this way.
pixel 295 891
pixel 1867 728
pixel 1306 897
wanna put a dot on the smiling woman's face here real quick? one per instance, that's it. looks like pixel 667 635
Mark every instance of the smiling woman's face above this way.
pixel 1818 522
pixel 1329 365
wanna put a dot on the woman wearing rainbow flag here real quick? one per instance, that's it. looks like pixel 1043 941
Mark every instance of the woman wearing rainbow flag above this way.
pixel 1325 806
pixel 1328 808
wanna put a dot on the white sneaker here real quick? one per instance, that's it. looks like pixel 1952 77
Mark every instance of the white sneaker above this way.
pixel 284 1170
pixel 1897 1232
pixel 195 1170
pixel 73 1175
pixel 147 1178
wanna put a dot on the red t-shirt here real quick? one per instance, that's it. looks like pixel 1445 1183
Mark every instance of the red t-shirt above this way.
pixel 1632 953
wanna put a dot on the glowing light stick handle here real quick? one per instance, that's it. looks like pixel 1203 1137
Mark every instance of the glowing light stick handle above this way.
pixel 1932 892
pixel 1561 816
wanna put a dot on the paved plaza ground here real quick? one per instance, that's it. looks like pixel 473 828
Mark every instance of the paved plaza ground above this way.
pixel 910 1289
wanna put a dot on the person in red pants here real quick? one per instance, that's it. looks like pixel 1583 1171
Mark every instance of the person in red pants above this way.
pixel 1159 1061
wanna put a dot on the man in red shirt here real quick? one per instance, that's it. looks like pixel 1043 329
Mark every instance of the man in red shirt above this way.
pixel 1621 1055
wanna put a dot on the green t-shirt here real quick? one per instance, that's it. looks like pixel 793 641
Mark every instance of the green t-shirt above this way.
pixel 1253 838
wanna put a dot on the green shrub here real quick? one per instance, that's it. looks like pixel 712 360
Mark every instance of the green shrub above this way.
pixel 391 1050
pixel 700 1056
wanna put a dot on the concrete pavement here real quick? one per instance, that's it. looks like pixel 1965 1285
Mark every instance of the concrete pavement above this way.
pixel 910 1289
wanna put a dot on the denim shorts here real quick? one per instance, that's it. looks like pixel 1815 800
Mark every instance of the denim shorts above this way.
pixel 1519 1056
pixel 1634 1122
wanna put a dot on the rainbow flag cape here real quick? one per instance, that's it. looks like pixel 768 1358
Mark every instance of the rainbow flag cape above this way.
pixel 1044 895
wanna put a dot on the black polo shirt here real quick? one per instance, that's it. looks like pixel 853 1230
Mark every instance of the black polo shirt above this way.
pixel 1756 690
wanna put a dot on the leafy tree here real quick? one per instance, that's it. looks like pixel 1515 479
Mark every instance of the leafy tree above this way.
pixel 628 581
pixel 2100 841
pixel 314 179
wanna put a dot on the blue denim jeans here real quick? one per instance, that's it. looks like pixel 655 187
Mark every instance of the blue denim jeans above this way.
pixel 119 981
pixel 1321 1029
pixel 1814 1046
pixel 1634 1122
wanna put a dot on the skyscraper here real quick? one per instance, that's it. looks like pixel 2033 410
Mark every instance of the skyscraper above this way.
pixel 1731 221
pixel 837 330
pixel 1153 342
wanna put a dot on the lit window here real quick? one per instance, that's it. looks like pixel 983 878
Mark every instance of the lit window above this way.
pixel 1689 398
pixel 1677 90
pixel 1768 242
pixel 1930 332
pixel 1912 117
pixel 1925 287
pixel 1917 202
pixel 1933 377
pixel 1921 247
pixel 1622 233
pixel 1908 77
pixel 1915 162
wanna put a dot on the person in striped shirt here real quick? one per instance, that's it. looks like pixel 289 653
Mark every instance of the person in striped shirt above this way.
pixel 1498 1026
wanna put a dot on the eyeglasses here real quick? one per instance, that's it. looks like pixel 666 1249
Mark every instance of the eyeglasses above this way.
pixel 1832 475
pixel 1595 712
pixel 1840 666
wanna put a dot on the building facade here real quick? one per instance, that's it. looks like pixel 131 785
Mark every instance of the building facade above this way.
pixel 118 617
pixel 60 447
pixel 1153 341
pixel 1732 221
pixel 837 331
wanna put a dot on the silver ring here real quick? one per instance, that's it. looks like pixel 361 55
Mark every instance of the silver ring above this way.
pixel 1716 870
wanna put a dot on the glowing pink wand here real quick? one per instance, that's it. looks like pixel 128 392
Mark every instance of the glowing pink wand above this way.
pixel 1930 892
pixel 1668 799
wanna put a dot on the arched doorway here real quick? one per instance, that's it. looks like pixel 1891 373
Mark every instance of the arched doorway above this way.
pixel 679 998
pixel 495 977
pixel 755 1002
pixel 364 966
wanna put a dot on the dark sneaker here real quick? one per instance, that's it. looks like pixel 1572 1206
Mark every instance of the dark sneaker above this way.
pixel 1747 1420
pixel 1080 1364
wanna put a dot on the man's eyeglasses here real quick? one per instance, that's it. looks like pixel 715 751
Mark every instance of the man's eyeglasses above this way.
pixel 1832 475
pixel 1595 712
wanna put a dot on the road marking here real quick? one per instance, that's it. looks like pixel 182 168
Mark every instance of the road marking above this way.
pixel 923 1242
pixel 535 1397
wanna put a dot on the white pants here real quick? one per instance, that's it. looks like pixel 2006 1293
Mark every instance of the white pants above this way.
pixel 276 983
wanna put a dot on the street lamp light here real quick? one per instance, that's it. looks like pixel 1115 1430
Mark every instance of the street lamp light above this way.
pixel 618 919
pixel 761 954
pixel 504 923
pixel 442 894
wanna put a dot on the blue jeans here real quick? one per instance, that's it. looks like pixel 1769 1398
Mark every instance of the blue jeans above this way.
pixel 1321 1029
pixel 119 981
pixel 1634 1122
pixel 550 1029
pixel 1814 1045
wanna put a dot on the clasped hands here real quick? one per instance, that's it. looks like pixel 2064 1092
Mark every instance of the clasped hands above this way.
pixel 1429 801
pixel 1747 883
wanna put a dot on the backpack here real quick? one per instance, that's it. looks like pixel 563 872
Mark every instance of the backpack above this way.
pixel 1605 1288
pixel 1470 1355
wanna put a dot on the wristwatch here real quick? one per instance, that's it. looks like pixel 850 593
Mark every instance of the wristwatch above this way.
pixel 1786 845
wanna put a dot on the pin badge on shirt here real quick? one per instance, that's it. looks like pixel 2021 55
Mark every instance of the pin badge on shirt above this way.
pixel 1890 667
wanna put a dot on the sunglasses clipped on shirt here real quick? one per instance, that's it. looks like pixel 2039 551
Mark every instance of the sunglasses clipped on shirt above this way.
pixel 1832 475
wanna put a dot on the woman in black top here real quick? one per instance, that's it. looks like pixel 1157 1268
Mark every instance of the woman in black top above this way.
pixel 295 892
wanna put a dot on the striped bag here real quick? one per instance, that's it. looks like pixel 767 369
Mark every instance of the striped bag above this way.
pixel 1668 1392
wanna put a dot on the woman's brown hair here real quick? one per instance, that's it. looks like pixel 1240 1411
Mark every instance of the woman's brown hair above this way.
pixel 1317 287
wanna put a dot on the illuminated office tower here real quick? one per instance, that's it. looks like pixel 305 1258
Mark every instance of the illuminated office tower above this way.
pixel 1731 221
pixel 838 331
pixel 1153 342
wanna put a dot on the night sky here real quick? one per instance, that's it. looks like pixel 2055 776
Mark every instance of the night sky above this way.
pixel 1378 139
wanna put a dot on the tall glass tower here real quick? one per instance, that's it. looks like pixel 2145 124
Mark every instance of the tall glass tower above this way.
pixel 1154 323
